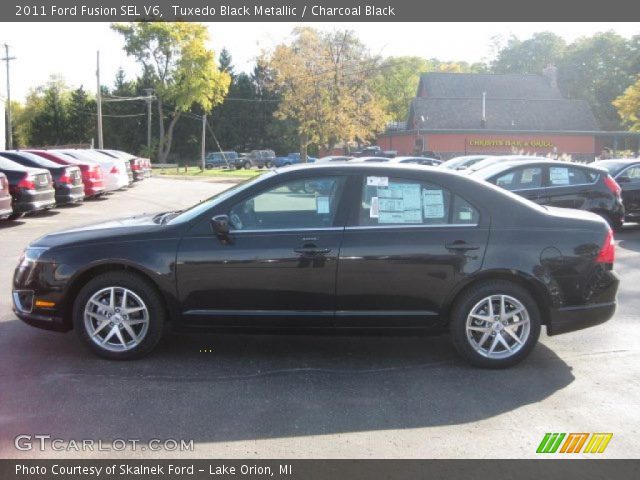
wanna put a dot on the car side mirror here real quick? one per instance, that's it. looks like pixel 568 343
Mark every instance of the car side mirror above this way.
pixel 221 227
pixel 624 179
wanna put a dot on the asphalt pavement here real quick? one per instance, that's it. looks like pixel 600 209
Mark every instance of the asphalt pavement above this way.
pixel 292 396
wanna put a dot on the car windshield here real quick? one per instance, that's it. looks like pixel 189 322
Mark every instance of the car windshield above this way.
pixel 199 208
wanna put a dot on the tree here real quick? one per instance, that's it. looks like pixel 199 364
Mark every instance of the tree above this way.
pixel 628 106
pixel 182 70
pixel 598 69
pixel 49 121
pixel 529 56
pixel 225 62
pixel 80 117
pixel 325 84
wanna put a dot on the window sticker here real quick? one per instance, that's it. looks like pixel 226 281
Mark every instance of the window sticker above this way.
pixel 377 181
pixel 322 205
pixel 399 203
pixel 433 203
pixel 465 215
pixel 374 210
pixel 559 175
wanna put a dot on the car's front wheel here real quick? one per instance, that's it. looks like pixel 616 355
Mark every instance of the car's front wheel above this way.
pixel 247 165
pixel 495 324
pixel 119 315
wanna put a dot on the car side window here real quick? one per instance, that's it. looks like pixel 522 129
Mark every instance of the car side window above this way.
pixel 559 176
pixel 303 203
pixel 521 179
pixel 633 173
pixel 387 201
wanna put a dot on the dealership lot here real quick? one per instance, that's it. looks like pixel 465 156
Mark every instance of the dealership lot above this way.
pixel 310 396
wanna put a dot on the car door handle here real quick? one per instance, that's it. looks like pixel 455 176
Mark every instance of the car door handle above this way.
pixel 461 246
pixel 312 251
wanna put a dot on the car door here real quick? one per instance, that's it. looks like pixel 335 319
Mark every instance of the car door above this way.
pixel 408 243
pixel 279 264
pixel 629 181
pixel 526 181
pixel 568 186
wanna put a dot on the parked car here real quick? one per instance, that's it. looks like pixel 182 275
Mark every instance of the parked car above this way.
pixel 100 157
pixel 5 198
pixel 462 163
pixel 138 164
pixel 114 170
pixel 492 160
pixel 259 158
pixel 222 160
pixel 31 188
pixel 432 162
pixel 386 247
pixel 560 184
pixel 291 159
pixel 371 160
pixel 67 180
pixel 91 172
pixel 626 172
pixel 374 151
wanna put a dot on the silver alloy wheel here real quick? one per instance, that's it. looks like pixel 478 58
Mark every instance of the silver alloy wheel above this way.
pixel 498 326
pixel 116 319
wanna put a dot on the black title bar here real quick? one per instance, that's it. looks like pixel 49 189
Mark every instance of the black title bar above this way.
pixel 316 10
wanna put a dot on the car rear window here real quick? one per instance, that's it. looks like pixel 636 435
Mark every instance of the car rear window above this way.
pixel 522 178
pixel 387 201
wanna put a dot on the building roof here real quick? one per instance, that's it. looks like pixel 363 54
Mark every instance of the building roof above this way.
pixel 472 85
pixel 501 114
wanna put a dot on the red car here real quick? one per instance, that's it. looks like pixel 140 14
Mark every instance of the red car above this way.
pixel 5 197
pixel 91 172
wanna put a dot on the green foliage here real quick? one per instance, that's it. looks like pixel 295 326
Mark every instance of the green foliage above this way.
pixel 628 106
pixel 529 56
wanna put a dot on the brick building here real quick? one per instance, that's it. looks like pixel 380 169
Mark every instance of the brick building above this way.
pixel 469 113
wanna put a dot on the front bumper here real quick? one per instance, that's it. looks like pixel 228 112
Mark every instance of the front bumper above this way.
pixel 23 307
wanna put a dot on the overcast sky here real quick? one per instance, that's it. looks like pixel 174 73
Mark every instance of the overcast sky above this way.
pixel 69 49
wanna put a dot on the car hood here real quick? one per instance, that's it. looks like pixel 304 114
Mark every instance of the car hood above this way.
pixel 99 232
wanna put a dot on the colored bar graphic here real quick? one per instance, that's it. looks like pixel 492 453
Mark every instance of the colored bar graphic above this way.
pixel 574 442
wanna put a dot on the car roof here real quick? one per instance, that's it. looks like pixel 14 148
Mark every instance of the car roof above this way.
pixel 496 168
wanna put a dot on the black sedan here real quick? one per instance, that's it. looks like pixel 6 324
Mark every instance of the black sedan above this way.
pixel 67 180
pixel 389 248
pixel 31 188
pixel 559 184
pixel 627 173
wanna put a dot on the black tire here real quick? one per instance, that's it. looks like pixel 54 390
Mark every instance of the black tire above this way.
pixel 15 216
pixel 247 165
pixel 208 166
pixel 469 299
pixel 140 287
pixel 269 164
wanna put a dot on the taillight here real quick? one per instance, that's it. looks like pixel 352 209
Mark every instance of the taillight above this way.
pixel 27 182
pixel 65 177
pixel 612 185
pixel 607 253
pixel 96 173
pixel 114 169
pixel 135 165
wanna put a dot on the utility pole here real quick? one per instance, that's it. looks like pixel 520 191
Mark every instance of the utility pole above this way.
pixel 149 91
pixel 8 59
pixel 99 102
pixel 204 132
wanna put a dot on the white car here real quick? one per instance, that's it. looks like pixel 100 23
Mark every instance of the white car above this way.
pixel 114 170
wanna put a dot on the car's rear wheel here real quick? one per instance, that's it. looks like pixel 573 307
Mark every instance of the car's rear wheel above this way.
pixel 269 164
pixel 495 324
pixel 119 315
pixel 247 165
pixel 208 166
pixel 15 216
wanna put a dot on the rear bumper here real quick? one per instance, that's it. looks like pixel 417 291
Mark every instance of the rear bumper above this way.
pixel 31 202
pixel 66 195
pixel 5 207
pixel 570 319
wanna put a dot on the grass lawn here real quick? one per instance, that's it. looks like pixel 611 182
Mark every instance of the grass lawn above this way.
pixel 195 172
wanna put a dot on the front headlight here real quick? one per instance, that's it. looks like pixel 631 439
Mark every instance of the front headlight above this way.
pixel 31 255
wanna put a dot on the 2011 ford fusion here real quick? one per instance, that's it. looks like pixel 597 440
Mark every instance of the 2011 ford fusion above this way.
pixel 335 246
